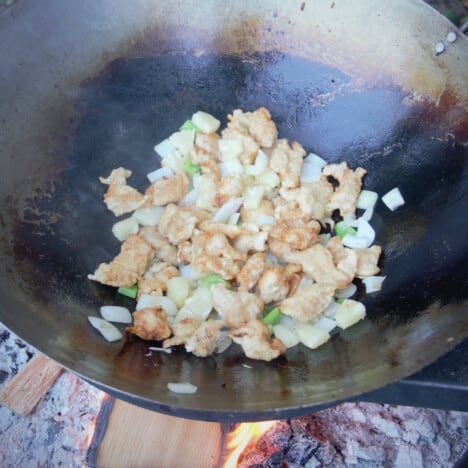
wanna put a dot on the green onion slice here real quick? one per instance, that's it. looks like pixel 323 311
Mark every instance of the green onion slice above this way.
pixel 342 229
pixel 272 317
pixel 129 292
pixel 189 125
pixel 214 279
pixel 190 168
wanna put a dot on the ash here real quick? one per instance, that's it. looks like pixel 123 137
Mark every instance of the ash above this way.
pixel 363 435
pixel 56 432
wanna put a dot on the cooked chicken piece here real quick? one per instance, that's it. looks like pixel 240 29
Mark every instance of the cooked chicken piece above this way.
pixel 321 191
pixel 150 324
pixel 212 253
pixel 177 224
pixel 235 308
pixel 257 124
pixel 287 162
pixel 205 339
pixel 164 251
pixel 345 259
pixel 251 271
pixel 277 281
pixel 127 267
pixel 298 236
pixel 121 198
pixel 207 161
pixel 231 231
pixel 279 249
pixel 249 242
pixel 208 142
pixel 273 286
pixel 308 302
pixel 182 331
pixel 184 252
pixel 345 196
pixel 255 339
pixel 250 146
pixel 230 186
pixel 367 260
pixel 155 279
pixel 170 190
pixel 265 208
pixel 317 262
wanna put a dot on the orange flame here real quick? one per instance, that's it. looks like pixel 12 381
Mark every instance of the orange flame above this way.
pixel 89 431
pixel 244 435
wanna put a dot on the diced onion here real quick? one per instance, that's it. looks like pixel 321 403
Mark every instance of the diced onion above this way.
pixel 310 173
pixel 222 343
pixel 351 220
pixel 148 216
pixel 332 309
pixel 315 160
pixel 231 166
pixel 393 199
pixel 178 289
pixel 183 141
pixel 268 178
pixel 233 219
pixel 253 196
pixel 286 334
pixel 368 213
pixel 174 161
pixel 364 237
pixel 324 238
pixel 182 387
pixel 159 174
pixel 229 149
pixel 162 350
pixel 164 148
pixel 346 292
pixel 271 259
pixel 261 163
pixel 311 336
pixel 228 209
pixel 367 199
pixel 187 271
pixel 106 329
pixel 325 323
pixel 156 300
pixel 124 228
pixel 190 198
pixel 205 122
pixel 265 220
pixel 199 304
pixel 373 283
pixel 349 313
pixel 116 314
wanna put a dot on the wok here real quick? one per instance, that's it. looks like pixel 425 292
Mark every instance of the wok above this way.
pixel 92 85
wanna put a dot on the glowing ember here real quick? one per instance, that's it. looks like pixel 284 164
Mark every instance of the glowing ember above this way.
pixel 89 431
pixel 245 434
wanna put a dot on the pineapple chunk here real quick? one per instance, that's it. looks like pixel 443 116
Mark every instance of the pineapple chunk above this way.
pixel 178 289
pixel 124 228
pixel 205 122
pixel 349 313
pixel 183 141
pixel 229 149
pixel 311 336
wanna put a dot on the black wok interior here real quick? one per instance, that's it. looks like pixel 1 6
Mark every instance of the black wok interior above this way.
pixel 63 231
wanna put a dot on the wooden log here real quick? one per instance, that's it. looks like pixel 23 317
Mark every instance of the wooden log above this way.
pixel 27 388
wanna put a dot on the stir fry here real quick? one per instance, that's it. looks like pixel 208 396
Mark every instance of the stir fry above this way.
pixel 236 239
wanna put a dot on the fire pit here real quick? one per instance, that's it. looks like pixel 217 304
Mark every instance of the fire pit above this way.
pixel 77 425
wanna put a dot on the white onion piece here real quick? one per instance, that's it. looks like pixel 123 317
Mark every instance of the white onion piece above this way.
pixel 233 219
pixel 148 216
pixel 349 313
pixel 164 148
pixel 106 329
pixel 159 174
pixel 253 196
pixel 162 350
pixel 305 281
pixel 183 141
pixel 174 161
pixel 196 180
pixel 229 149
pixel 315 160
pixel 116 314
pixel 311 336
pixel 155 300
pixel 368 213
pixel 325 323
pixel 268 178
pixel 260 165
pixel 331 310
pixel 351 220
pixel 393 199
pixel 324 238
pixel 231 166
pixel 373 283
pixel 222 343
pixel 124 228
pixel 199 304
pixel 310 173
pixel 346 292
pixel 286 334
pixel 228 209
pixel 187 271
pixel 364 237
pixel 367 199
pixel 265 220
pixel 190 198
pixel 182 387
pixel 271 259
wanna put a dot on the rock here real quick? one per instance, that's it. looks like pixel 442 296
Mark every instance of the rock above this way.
pixel 408 456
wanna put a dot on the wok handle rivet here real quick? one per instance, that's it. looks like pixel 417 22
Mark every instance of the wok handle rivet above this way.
pixel 452 36
pixel 439 48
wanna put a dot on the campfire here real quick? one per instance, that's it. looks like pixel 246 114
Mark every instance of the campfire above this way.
pixel 74 424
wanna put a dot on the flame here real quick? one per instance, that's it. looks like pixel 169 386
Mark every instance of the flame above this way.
pixel 245 434
pixel 89 431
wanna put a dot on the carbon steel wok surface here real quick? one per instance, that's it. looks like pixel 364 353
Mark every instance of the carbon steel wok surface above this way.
pixel 105 84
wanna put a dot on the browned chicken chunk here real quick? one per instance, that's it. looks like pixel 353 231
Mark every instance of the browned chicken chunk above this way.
pixel 155 279
pixel 286 161
pixel 205 339
pixel 255 339
pixel 251 271
pixel 177 224
pixel 163 250
pixel 367 260
pixel 170 190
pixel 150 324
pixel 182 331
